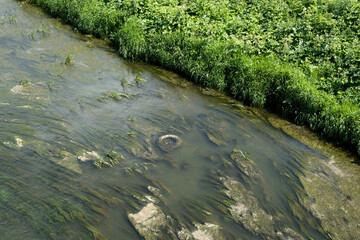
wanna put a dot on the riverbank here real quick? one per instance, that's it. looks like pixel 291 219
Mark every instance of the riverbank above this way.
pixel 299 59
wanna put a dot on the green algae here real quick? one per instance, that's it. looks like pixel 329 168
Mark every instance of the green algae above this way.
pixel 4 195
pixel 108 163
pixel 332 198
pixel 326 184
pixel 138 80
pixel 115 96
pixel 65 212
pixel 114 156
pixel 196 210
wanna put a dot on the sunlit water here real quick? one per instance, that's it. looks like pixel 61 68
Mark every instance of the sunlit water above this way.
pixel 47 106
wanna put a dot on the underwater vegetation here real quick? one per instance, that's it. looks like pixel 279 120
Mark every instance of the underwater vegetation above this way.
pixel 113 96
pixel 69 60
pixel 298 58
pixel 67 202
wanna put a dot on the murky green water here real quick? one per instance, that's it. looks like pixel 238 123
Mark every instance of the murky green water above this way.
pixel 233 170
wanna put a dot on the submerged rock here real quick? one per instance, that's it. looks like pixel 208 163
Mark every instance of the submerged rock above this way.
pixel 34 92
pixel 18 143
pixel 150 221
pixel 246 165
pixel 184 234
pixel 208 231
pixel 69 161
pixel 213 128
pixel 110 160
pixel 85 156
pixel 215 139
pixel 18 89
pixel 246 210
pixel 157 193
pixel 289 234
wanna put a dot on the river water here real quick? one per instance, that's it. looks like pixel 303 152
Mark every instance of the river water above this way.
pixel 81 158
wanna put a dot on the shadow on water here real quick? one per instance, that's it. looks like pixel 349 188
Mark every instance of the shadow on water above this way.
pixel 83 153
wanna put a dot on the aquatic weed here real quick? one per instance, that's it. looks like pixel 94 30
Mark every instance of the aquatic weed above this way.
pixel 43 30
pixel 114 96
pixel 131 118
pixel 24 82
pixel 226 163
pixel 244 155
pixel 147 165
pixel 114 156
pixel 69 60
pixel 58 24
pixel 12 19
pixel 131 134
pixel 51 86
pixel 138 79
pixel 32 35
pixel 124 84
pixel 102 163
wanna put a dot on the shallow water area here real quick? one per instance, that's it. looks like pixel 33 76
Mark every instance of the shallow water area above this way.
pixel 80 154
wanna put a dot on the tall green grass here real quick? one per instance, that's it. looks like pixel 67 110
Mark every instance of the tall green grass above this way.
pixel 298 58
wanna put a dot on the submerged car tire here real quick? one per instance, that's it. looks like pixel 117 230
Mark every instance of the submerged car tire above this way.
pixel 169 142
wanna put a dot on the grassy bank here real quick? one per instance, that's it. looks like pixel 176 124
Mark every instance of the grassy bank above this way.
pixel 300 58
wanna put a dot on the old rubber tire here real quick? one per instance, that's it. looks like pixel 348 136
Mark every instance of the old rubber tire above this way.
pixel 169 142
